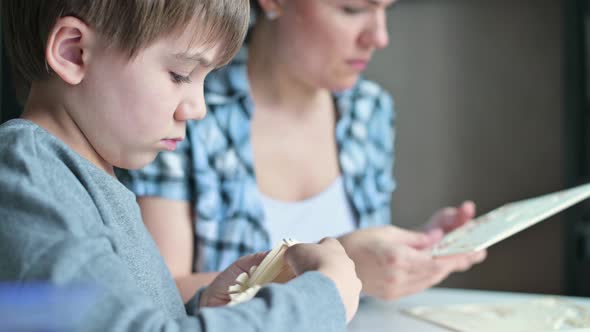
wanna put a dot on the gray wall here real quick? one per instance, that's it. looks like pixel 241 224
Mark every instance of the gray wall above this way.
pixel 478 98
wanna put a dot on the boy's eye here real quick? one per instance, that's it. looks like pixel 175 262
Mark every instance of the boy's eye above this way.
pixel 178 79
pixel 353 10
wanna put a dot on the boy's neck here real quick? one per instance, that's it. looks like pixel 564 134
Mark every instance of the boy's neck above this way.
pixel 46 108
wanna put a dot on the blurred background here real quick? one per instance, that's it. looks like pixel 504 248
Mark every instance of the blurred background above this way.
pixel 491 106
pixel 491 99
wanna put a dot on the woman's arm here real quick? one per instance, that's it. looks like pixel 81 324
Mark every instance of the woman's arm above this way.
pixel 170 223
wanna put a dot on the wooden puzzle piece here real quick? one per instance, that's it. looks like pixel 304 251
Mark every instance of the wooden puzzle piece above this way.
pixel 271 269
pixel 507 220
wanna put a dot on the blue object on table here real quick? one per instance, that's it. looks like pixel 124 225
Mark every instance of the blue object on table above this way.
pixel 40 306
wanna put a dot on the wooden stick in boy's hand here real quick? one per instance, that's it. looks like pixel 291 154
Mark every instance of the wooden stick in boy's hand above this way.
pixel 328 257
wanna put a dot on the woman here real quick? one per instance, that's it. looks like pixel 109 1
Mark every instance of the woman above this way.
pixel 296 145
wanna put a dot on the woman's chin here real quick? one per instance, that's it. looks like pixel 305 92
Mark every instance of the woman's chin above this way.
pixel 344 85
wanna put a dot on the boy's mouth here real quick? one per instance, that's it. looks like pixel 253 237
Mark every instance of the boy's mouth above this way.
pixel 170 143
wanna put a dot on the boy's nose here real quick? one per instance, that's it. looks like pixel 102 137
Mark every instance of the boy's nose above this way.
pixel 190 111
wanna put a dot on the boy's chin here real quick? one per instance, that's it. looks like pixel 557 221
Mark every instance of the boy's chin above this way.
pixel 137 162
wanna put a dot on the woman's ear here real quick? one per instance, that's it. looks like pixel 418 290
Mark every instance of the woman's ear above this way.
pixel 68 49
pixel 272 8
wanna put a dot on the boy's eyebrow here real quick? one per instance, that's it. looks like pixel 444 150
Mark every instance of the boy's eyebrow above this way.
pixel 193 57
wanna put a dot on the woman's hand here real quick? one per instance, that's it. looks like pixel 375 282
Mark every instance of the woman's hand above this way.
pixel 392 262
pixel 448 219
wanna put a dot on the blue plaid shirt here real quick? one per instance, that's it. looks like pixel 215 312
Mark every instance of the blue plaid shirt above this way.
pixel 213 167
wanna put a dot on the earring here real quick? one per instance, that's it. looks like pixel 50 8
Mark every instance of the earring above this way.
pixel 272 14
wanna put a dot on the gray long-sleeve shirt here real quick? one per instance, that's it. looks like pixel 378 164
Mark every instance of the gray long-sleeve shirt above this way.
pixel 66 221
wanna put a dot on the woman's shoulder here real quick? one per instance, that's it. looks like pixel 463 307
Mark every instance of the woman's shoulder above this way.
pixel 365 100
pixel 365 88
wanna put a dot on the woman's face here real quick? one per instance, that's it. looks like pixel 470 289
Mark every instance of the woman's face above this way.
pixel 328 43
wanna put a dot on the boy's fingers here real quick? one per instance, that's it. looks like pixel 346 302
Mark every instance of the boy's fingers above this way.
pixel 246 262
pixel 292 255
pixel 329 241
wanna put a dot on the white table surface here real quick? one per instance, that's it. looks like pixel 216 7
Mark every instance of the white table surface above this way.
pixel 378 316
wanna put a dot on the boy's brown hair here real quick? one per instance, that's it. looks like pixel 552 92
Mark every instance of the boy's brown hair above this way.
pixel 130 25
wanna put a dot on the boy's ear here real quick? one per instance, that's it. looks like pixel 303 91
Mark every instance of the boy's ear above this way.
pixel 68 49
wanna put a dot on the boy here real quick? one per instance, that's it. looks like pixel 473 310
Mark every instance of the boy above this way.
pixel 111 84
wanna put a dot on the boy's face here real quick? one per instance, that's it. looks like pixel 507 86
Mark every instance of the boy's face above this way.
pixel 134 109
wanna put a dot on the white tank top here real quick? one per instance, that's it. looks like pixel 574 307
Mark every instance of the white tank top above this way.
pixel 326 214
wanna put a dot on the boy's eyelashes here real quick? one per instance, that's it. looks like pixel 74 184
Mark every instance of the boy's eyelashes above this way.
pixel 179 79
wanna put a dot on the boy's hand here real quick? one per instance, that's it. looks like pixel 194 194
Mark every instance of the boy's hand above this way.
pixel 216 294
pixel 329 258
